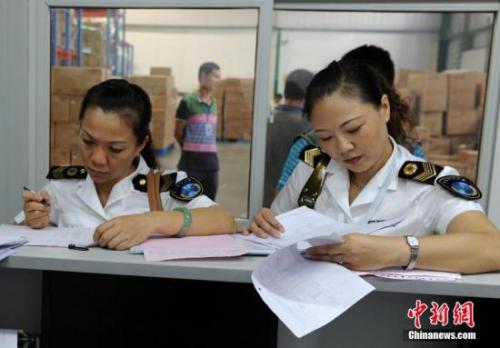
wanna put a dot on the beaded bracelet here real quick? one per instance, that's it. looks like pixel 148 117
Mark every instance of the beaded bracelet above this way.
pixel 187 221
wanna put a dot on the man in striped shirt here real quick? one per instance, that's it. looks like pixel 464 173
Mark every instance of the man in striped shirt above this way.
pixel 195 130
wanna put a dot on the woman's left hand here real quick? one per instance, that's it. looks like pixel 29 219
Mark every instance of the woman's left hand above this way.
pixel 124 232
pixel 363 252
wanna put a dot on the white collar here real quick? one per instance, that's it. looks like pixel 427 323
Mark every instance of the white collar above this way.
pixel 340 178
pixel 88 193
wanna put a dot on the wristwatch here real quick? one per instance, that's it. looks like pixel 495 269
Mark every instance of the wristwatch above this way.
pixel 414 246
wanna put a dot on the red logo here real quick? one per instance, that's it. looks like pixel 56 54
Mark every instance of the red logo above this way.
pixel 415 313
pixel 462 314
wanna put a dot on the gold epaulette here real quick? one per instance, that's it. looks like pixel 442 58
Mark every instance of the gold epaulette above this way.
pixel 166 182
pixel 311 155
pixel 67 172
pixel 423 172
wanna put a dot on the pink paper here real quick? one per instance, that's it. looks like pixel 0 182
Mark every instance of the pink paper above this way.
pixel 161 249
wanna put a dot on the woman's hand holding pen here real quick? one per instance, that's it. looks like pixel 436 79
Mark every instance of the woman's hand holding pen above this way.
pixel 36 208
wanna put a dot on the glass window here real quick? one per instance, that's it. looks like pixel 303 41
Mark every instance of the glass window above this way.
pixel 162 51
pixel 441 62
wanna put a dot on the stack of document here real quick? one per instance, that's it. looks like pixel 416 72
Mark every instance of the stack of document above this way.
pixel 7 243
pixel 50 236
pixel 307 227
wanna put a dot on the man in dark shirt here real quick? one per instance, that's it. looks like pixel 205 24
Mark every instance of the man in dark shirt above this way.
pixel 195 130
pixel 286 122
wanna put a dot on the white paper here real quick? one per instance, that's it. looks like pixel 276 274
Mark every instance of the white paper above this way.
pixel 305 224
pixel 11 241
pixel 8 338
pixel 51 236
pixel 399 274
pixel 305 294
pixel 5 253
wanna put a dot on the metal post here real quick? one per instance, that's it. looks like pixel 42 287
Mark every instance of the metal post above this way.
pixel 444 42
pixel 116 42
pixel 107 40
pixel 53 36
pixel 79 37
pixel 124 25
pixel 67 37
pixel 277 62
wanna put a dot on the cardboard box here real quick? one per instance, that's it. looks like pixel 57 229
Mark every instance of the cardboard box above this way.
pixel 432 89
pixel 154 85
pixel 157 70
pixel 464 89
pixel 60 157
pixel 66 135
pixel 75 80
pixel 458 122
pixel 59 108
pixel 468 141
pixel 437 146
pixel 75 157
pixel 158 101
pixel 433 121
pixel 75 103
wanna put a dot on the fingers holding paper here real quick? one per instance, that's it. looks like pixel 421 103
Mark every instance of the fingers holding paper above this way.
pixel 362 252
pixel 265 224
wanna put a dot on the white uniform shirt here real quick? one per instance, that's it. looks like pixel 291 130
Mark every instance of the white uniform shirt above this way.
pixel 426 209
pixel 75 203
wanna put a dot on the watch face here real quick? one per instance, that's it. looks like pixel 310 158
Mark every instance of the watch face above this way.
pixel 412 241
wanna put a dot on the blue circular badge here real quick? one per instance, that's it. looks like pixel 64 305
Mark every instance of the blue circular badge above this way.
pixel 190 190
pixel 460 186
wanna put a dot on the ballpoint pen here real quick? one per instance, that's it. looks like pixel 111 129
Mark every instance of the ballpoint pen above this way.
pixel 44 201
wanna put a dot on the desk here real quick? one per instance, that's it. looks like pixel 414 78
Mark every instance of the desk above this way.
pixel 385 308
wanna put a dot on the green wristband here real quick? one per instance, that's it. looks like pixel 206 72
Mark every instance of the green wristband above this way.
pixel 187 221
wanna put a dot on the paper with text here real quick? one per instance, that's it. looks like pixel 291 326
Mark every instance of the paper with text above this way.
pixel 8 338
pixel 305 294
pixel 50 236
pixel 162 249
pixel 399 274
pixel 305 224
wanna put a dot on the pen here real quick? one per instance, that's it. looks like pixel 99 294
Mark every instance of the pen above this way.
pixel 82 247
pixel 44 201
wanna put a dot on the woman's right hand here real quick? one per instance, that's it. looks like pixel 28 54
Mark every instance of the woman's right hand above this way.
pixel 36 209
pixel 265 224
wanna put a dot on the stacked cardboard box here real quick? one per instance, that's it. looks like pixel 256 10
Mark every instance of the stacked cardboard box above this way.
pixel 235 104
pixel 68 85
pixel 449 107
pixel 161 89
pixel 93 43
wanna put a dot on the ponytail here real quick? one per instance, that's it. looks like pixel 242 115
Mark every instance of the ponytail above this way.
pixel 148 153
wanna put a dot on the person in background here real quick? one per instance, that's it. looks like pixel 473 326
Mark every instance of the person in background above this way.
pixel 277 99
pixel 381 61
pixel 109 192
pixel 195 130
pixel 287 120
pixel 361 174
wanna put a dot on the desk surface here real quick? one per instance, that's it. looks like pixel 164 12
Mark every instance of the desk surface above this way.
pixel 237 270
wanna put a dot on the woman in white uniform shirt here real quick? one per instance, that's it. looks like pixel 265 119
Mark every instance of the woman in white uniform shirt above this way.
pixel 359 121
pixel 109 192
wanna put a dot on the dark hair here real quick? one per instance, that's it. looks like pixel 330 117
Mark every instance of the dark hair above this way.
pixel 206 68
pixel 131 102
pixel 376 57
pixel 361 81
pixel 296 84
